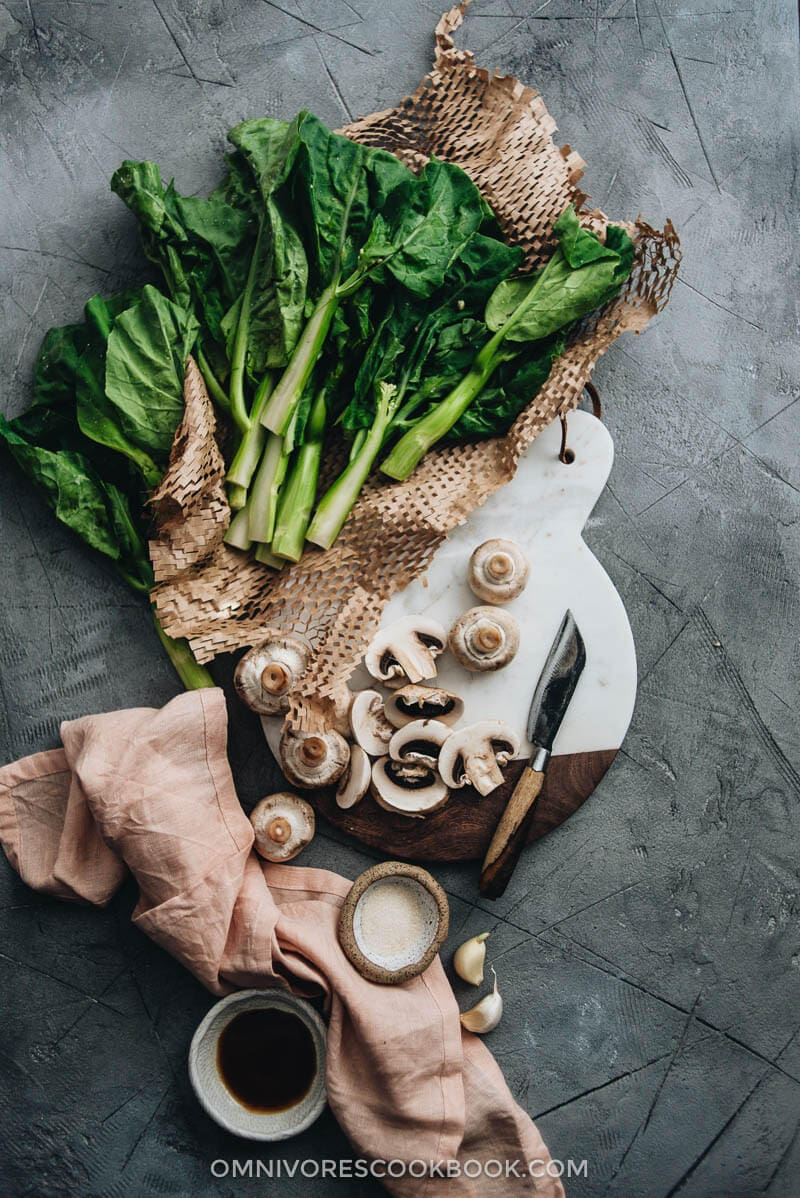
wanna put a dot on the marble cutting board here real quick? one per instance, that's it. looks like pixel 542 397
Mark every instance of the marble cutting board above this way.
pixel 544 509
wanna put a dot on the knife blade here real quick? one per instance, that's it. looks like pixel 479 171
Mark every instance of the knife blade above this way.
pixel 551 698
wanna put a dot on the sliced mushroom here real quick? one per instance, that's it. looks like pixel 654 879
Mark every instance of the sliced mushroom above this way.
pixel 406 651
pixel 423 703
pixel 498 571
pixel 411 790
pixel 283 824
pixel 371 729
pixel 419 741
pixel 310 760
pixel 476 754
pixel 484 638
pixel 354 782
pixel 268 672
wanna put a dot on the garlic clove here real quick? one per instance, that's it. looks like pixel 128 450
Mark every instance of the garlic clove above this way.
pixel 469 958
pixel 486 1014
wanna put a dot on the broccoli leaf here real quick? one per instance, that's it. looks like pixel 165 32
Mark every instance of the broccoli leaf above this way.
pixel 582 274
pixel 96 510
pixel 425 223
pixel 70 377
pixel 145 363
pixel 511 388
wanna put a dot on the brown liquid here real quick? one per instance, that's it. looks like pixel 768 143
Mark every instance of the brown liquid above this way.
pixel 267 1059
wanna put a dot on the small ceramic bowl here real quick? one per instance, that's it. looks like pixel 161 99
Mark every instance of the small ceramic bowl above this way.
pixel 217 1100
pixel 402 962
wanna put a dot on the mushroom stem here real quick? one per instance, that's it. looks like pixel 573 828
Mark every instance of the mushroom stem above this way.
pixel 500 565
pixel 416 661
pixel 313 750
pixel 279 830
pixel 484 771
pixel 488 637
pixel 275 678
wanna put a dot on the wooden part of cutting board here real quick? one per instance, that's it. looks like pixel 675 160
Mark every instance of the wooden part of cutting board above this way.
pixel 462 829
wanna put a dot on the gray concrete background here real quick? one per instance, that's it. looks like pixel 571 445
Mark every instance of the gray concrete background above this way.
pixel 648 950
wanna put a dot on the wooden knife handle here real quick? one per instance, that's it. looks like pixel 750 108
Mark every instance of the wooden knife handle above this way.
pixel 510 834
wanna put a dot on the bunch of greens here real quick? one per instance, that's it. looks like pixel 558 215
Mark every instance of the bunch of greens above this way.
pixel 330 295
pixel 468 365
pixel 339 294
pixel 108 396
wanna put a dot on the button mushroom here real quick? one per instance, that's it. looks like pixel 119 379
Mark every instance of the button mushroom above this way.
pixel 484 638
pixel 406 651
pixel 423 703
pixel 268 672
pixel 310 760
pixel 419 741
pixel 412 789
pixel 283 824
pixel 354 782
pixel 371 729
pixel 498 571
pixel 476 754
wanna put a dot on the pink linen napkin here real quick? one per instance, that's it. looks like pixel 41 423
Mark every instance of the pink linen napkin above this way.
pixel 151 791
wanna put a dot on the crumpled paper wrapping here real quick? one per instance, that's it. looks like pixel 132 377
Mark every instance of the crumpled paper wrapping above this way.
pixel 220 599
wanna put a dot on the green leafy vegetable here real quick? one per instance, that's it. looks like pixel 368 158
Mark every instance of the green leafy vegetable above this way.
pixel 362 216
pixel 145 364
pixel 582 274
pixel 96 510
pixel 422 344
pixel 74 445
pixel 327 291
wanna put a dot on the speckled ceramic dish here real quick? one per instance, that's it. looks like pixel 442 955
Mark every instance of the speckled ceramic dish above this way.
pixel 372 915
pixel 217 1099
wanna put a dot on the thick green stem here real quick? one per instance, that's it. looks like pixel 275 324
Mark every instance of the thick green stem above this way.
pixel 263 504
pixel 300 490
pixel 423 435
pixel 338 500
pixel 237 498
pixel 239 352
pixel 413 445
pixel 215 388
pixel 293 381
pixel 247 456
pixel 237 535
pixel 264 554
pixel 193 676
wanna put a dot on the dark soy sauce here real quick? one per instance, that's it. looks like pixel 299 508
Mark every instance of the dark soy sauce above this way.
pixel 267 1059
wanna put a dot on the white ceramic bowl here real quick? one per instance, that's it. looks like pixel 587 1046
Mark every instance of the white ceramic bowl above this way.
pixel 214 1096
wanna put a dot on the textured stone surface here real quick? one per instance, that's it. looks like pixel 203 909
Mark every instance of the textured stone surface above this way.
pixel 648 950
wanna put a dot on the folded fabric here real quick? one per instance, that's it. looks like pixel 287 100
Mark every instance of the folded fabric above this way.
pixel 151 791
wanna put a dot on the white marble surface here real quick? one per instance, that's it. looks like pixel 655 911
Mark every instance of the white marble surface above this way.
pixel 543 509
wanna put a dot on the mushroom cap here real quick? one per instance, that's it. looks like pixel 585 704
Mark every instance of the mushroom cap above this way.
pixel 354 782
pixel 423 703
pixel 283 824
pixel 484 638
pixel 419 741
pixel 269 671
pixel 406 651
pixel 310 760
pixel 371 729
pixel 412 790
pixel 498 571
pixel 476 754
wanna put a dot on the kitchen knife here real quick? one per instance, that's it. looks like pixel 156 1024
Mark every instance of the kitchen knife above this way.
pixel 552 696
